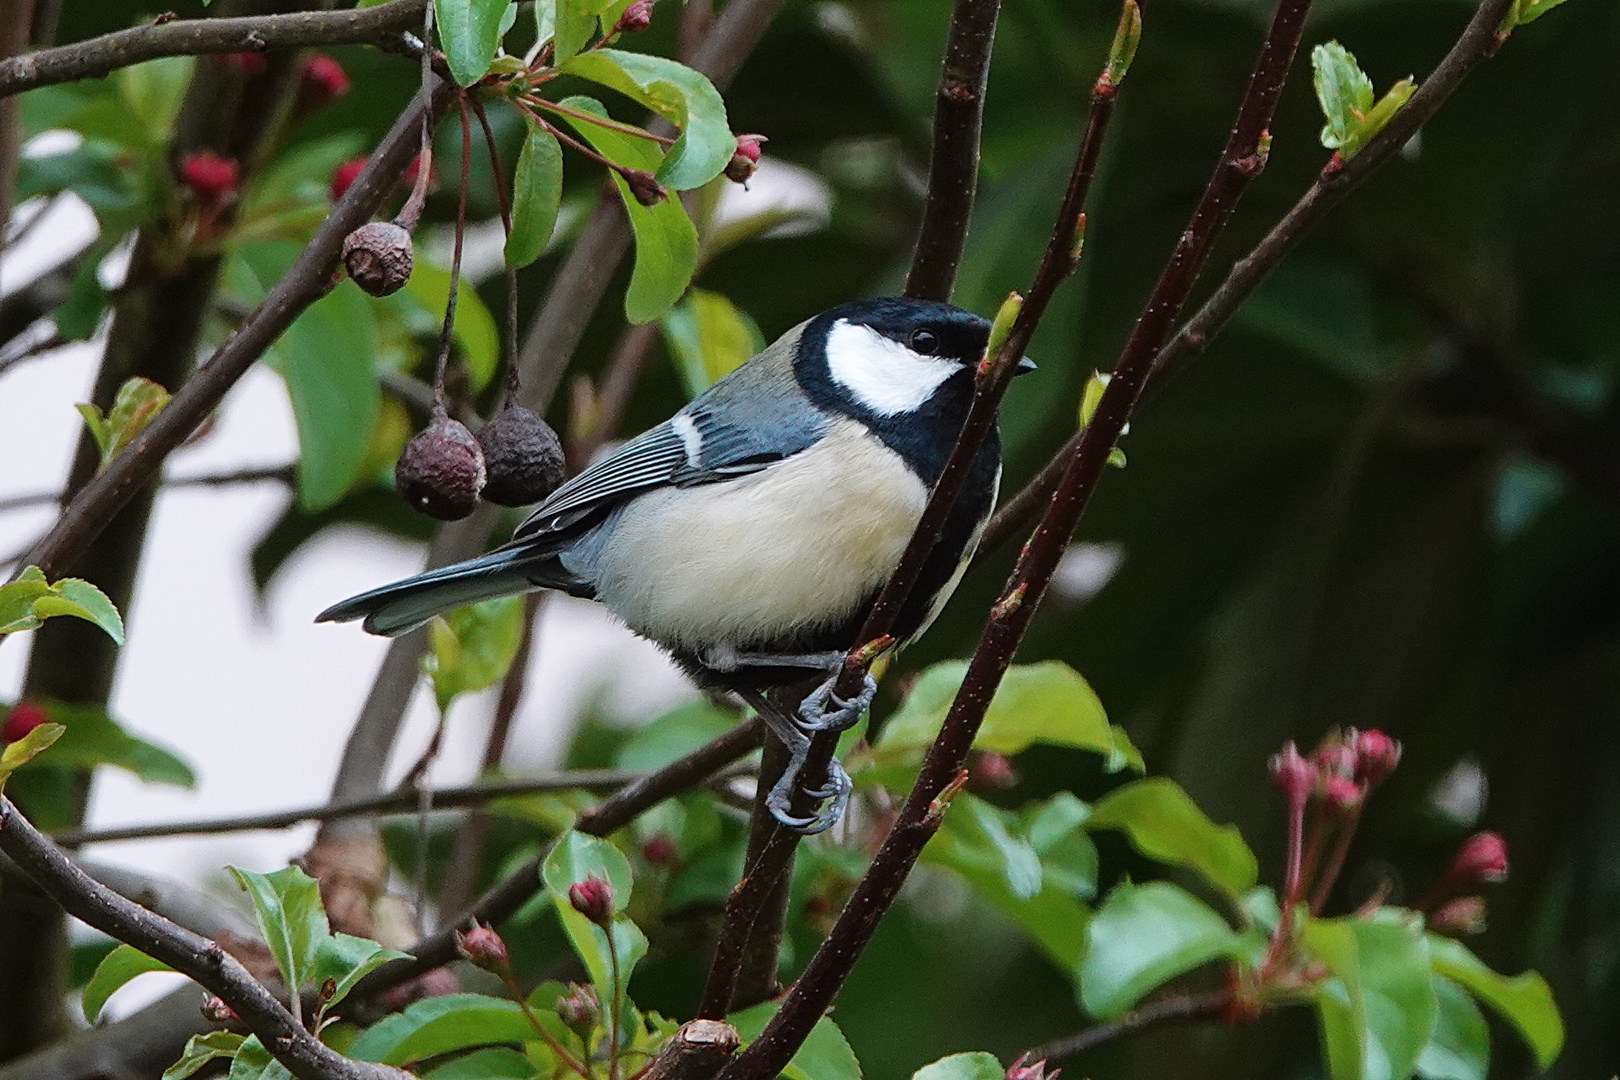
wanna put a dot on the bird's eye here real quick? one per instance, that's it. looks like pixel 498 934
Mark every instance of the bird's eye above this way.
pixel 925 342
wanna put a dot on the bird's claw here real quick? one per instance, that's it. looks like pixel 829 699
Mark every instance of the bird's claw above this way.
pixel 824 710
pixel 837 788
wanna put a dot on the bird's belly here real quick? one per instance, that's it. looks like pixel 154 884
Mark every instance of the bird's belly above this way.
pixel 765 559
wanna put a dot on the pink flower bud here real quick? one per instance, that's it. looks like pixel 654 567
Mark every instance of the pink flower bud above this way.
pixel 593 898
pixel 24 717
pixel 659 850
pixel 987 769
pixel 1482 857
pixel 647 191
pixel 344 176
pixel 483 948
pixel 1460 917
pixel 745 159
pixel 209 176
pixel 636 18
pixel 1293 775
pixel 1023 1070
pixel 322 81
pixel 1376 756
pixel 1341 793
pixel 1334 758
pixel 580 1010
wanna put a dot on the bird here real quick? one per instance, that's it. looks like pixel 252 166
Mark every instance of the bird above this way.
pixel 749 534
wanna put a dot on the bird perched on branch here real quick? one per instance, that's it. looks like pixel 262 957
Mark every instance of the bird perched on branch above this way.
pixel 749 533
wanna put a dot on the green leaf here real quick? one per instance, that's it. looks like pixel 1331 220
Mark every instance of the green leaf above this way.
pixel 974 1065
pixel 30 600
pixel 1340 1006
pixel 470 31
pixel 1528 11
pixel 684 97
pixel 93 738
pixel 572 24
pixel 473 647
pixel 1523 1000
pixel 326 359
pixel 287 906
pixel 709 337
pixel 490 1063
pixel 1163 823
pixel 1344 91
pixel 825 1055
pixel 1143 936
pixel 1397 993
pixel 152 91
pixel 666 240
pixel 442 1025
pixel 1046 703
pixel 27 748
pixel 574 858
pixel 201 1049
pixel 536 194
pixel 674 734
pixel 253 1062
pixel 346 960
pixel 138 400
pixel 1460 1048
pixel 116 969
pixel 477 338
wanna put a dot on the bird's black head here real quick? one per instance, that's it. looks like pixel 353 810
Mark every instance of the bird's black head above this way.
pixel 925 327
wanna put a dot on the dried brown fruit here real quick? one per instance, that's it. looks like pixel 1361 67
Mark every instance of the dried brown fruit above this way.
pixel 523 458
pixel 441 471
pixel 378 257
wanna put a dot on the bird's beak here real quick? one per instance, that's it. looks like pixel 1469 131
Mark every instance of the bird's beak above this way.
pixel 1025 366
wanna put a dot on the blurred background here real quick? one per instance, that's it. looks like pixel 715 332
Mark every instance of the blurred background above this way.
pixel 1388 496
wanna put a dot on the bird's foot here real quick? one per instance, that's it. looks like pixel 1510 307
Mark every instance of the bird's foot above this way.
pixel 824 710
pixel 837 789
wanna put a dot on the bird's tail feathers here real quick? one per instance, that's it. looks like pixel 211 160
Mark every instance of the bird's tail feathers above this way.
pixel 392 610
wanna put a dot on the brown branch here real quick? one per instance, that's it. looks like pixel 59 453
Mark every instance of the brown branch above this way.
pixel 942 768
pixel 1477 42
pixel 953 171
pixel 253 474
pixel 1179 1009
pixel 402 801
pixel 190 954
pixel 99 56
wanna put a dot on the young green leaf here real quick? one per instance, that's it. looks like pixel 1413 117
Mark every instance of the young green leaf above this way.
pixel 974 1065
pixel 441 1025
pixel 1164 823
pixel 1460 1048
pixel 287 907
pixel 1341 1010
pixel 1344 91
pixel 30 600
pixel 666 240
pixel 201 1049
pixel 825 1055
pixel 116 968
pixel 1523 1000
pixel 470 31
pixel 253 1062
pixel 492 1062
pixel 709 337
pixel 1528 11
pixel 473 647
pixel 684 97
pixel 346 960
pixel 536 194
pixel 573 24
pixel 1397 994
pixel 18 753
pixel 1142 937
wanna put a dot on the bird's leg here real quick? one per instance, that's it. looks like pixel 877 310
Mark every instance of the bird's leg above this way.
pixel 780 799
pixel 823 710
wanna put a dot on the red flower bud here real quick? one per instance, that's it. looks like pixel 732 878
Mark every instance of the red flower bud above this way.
pixel 1341 793
pixel 580 1010
pixel 209 176
pixel 987 769
pixel 1457 918
pixel 636 18
pixel 345 175
pixel 1376 756
pixel 483 948
pixel 322 81
pixel 1482 857
pixel 1334 758
pixel 659 850
pixel 593 898
pixel 24 717
pixel 647 191
pixel 745 159
pixel 1293 775
pixel 248 63
pixel 1022 1070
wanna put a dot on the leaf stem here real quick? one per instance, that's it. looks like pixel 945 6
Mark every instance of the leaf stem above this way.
pixel 599 121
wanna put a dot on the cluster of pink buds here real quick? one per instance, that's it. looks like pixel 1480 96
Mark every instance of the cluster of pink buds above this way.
pixel 1340 771
pixel 23 718
pixel 1023 1069
pixel 1481 859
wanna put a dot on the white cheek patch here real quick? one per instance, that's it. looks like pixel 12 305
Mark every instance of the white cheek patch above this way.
pixel 881 374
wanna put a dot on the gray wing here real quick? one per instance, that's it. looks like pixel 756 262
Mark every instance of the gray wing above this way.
pixel 749 420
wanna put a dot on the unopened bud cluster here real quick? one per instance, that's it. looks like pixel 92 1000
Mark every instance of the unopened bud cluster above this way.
pixel 1340 772
pixel 483 948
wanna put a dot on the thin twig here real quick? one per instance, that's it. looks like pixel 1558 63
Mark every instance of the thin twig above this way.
pixel 99 56
pixel 1177 1009
pixel 953 172
pixel 253 474
pixel 188 953
pixel 1009 618
pixel 1476 43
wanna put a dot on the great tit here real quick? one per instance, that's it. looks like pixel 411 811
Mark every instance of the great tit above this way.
pixel 749 533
